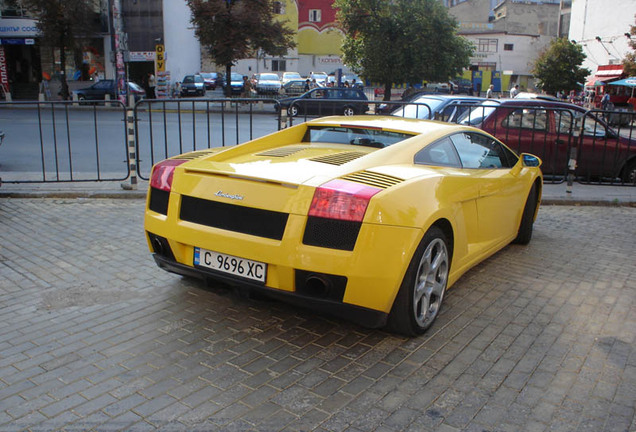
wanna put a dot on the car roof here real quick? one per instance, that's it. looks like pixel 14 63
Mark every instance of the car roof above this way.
pixel 449 97
pixel 538 102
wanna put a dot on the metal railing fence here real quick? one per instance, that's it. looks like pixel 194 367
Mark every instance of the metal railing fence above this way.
pixel 63 142
pixel 67 142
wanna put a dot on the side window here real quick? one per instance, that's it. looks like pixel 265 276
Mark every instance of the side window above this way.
pixel 479 151
pixel 563 121
pixel 440 153
pixel 536 119
pixel 591 127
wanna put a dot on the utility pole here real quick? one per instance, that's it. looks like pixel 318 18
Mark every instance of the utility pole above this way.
pixel 120 75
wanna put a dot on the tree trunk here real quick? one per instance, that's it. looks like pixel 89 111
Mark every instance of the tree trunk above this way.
pixel 387 91
pixel 228 80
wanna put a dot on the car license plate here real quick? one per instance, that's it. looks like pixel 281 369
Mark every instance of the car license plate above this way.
pixel 236 266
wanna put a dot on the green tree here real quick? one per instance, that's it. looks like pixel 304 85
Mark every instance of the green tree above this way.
pixel 629 62
pixel 401 41
pixel 65 25
pixel 558 67
pixel 231 30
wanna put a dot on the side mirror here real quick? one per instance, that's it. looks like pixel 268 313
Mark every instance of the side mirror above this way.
pixel 529 160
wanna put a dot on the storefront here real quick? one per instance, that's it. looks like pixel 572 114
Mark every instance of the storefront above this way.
pixel 20 68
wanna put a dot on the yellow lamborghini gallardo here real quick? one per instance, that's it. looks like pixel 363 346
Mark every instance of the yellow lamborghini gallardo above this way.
pixel 370 218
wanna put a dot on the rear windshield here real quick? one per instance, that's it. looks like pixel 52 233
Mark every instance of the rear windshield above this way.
pixel 368 137
pixel 421 109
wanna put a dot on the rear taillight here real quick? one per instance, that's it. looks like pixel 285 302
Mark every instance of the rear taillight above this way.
pixel 343 200
pixel 162 174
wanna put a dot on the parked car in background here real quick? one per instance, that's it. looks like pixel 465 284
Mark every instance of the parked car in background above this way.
pixel 294 87
pixel 461 86
pixel 266 83
pixel 369 218
pixel 441 87
pixel 549 129
pixel 100 89
pixel 236 83
pixel 320 77
pixel 192 85
pixel 327 101
pixel 212 80
pixel 437 107
pixel 290 76
pixel 528 95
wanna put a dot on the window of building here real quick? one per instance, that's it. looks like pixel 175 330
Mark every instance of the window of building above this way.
pixel 278 7
pixel 509 47
pixel 314 15
pixel 486 66
pixel 487 45
pixel 279 65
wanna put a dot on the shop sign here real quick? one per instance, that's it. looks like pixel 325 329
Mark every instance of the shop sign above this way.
pixel 160 59
pixel 330 61
pixel 141 56
pixel 19 27
pixel 17 41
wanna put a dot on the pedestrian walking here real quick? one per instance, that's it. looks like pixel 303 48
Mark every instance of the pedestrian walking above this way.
pixel 247 88
pixel 151 86
pixel 514 91
pixel 605 100
pixel 489 94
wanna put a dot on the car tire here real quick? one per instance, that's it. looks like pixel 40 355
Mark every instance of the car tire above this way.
pixel 293 111
pixel 629 174
pixel 82 99
pixel 527 219
pixel 420 297
pixel 348 111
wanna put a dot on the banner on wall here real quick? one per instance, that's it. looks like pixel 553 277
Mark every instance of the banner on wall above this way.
pixel 477 77
pixel 496 80
pixel 4 74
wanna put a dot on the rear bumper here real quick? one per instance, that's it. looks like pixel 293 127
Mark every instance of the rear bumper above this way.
pixel 363 316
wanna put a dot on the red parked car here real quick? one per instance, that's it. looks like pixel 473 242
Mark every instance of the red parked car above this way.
pixel 549 129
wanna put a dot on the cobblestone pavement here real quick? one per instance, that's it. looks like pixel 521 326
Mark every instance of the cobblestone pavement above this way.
pixel 94 336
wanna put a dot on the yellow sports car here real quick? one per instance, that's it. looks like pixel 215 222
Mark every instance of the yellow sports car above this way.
pixel 367 217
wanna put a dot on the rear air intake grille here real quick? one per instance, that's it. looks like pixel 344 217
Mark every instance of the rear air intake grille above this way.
pixel 246 220
pixel 382 181
pixel 159 201
pixel 196 154
pixel 281 152
pixel 331 233
pixel 339 158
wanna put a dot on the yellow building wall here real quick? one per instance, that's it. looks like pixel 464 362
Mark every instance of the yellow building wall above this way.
pixel 325 42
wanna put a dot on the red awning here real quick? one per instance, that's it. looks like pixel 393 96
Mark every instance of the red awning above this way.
pixel 608 72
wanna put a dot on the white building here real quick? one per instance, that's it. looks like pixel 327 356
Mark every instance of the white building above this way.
pixel 183 50
pixel 511 54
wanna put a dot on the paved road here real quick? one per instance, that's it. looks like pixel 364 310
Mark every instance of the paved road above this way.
pixel 94 336
pixel 88 143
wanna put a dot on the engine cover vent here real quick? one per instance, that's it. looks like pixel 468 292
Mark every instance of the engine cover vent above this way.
pixel 374 179
pixel 339 158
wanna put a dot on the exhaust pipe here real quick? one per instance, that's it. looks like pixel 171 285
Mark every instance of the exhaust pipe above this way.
pixel 317 286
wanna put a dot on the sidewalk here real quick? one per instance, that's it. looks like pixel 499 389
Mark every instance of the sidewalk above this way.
pixel 553 194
